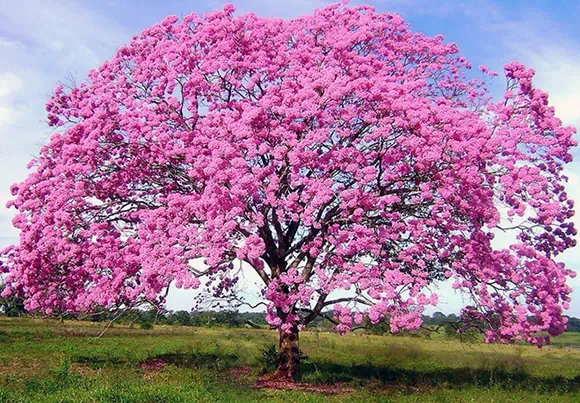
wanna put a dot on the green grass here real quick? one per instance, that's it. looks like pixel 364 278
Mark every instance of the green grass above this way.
pixel 48 361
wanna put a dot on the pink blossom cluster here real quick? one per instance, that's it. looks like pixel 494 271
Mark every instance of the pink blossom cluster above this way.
pixel 349 161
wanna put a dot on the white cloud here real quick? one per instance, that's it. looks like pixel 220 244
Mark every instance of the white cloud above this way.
pixel 559 74
pixel 571 257
pixel 55 45
pixel 573 190
pixel 5 115
pixel 556 61
pixel 57 24
pixel 9 83
pixel 10 44
pixel 4 198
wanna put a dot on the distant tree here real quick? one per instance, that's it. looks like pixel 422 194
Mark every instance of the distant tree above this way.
pixel 452 318
pixel 439 318
pixel 231 318
pixel 573 324
pixel 347 161
pixel 183 318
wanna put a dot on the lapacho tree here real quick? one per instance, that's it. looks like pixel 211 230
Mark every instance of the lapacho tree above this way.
pixel 348 161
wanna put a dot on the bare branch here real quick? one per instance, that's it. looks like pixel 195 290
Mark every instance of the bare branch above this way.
pixel 346 299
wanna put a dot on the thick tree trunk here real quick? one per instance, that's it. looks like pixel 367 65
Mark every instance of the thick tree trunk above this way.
pixel 289 361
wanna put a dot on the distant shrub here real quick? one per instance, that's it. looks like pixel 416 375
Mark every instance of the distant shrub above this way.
pixel 469 335
pixel 450 331
pixel 146 325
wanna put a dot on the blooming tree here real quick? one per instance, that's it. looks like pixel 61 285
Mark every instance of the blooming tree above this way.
pixel 348 161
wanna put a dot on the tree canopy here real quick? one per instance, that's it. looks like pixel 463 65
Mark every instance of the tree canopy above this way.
pixel 348 161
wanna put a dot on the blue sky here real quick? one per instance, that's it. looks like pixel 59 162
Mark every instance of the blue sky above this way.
pixel 43 42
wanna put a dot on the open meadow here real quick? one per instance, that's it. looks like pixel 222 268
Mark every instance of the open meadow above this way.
pixel 49 361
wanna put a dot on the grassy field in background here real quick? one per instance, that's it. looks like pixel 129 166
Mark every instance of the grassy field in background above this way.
pixel 49 361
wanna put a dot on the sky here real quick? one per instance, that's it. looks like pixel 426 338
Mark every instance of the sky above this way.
pixel 43 42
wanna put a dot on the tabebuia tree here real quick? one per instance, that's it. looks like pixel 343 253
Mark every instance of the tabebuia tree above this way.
pixel 348 161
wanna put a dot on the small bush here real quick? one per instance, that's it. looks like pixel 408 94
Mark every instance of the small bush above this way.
pixel 268 359
pixel 146 325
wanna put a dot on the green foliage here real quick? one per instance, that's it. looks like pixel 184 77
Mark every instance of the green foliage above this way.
pixel 573 324
pixel 455 332
pixel 268 359
pixel 146 325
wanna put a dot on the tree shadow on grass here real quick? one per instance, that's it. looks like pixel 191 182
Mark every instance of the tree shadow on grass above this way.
pixel 192 359
pixel 455 378
pixel 502 375
pixel 198 360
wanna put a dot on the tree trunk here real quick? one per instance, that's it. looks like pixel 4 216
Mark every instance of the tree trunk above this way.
pixel 289 361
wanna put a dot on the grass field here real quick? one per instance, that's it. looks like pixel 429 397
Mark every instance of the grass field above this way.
pixel 48 361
